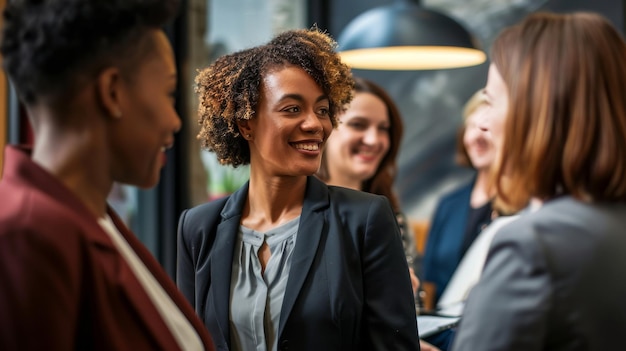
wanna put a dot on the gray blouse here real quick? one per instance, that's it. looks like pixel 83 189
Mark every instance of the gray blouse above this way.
pixel 256 298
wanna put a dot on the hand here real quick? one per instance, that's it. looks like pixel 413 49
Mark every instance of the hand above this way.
pixel 415 283
pixel 424 346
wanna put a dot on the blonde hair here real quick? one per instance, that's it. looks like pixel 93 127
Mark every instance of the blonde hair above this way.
pixel 474 103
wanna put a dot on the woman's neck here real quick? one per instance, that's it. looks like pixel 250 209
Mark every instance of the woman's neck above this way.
pixel 273 201
pixel 481 191
pixel 77 160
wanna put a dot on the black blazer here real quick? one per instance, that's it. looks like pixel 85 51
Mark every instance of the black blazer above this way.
pixel 348 287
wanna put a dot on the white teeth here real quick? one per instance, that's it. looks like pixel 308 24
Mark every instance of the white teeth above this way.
pixel 308 147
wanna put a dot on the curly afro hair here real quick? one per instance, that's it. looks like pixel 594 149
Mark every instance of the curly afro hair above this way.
pixel 50 47
pixel 229 89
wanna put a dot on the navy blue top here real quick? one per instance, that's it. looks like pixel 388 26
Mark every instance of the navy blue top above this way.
pixel 444 248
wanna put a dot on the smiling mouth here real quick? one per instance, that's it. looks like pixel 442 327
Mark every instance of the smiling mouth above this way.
pixel 167 147
pixel 307 146
pixel 367 154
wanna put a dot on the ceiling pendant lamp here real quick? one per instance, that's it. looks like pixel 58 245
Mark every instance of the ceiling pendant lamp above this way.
pixel 407 36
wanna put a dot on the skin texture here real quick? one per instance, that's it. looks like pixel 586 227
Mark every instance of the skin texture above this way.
pixel 115 129
pixel 478 143
pixel 360 142
pixel 148 121
pixel 481 151
pixel 286 140
pixel 229 89
pixel 493 116
pixel 358 145
pixel 292 124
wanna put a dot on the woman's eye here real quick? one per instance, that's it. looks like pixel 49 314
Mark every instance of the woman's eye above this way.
pixel 324 111
pixel 357 125
pixel 293 109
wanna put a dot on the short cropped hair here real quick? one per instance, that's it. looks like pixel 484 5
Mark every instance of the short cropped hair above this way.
pixel 565 132
pixel 50 48
pixel 229 89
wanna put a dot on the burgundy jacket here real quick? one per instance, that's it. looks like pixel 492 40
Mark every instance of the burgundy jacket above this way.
pixel 63 284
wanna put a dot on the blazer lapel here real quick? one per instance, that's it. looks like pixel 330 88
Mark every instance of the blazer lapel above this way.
pixel 164 280
pixel 222 257
pixel 312 222
pixel 136 294
pixel 113 264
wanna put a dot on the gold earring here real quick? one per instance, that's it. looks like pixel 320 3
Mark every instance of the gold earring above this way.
pixel 117 114
pixel 248 136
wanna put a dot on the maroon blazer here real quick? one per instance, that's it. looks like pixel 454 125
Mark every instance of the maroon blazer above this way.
pixel 63 284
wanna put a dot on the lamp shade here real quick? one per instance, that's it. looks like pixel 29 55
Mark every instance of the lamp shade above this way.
pixel 406 36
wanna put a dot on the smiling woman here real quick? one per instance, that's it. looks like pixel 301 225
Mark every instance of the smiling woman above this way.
pixel 286 261
pixel 96 77
pixel 361 153
pixel 554 278
pixel 292 108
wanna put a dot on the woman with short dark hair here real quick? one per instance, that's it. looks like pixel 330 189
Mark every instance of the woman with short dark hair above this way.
pixel 98 80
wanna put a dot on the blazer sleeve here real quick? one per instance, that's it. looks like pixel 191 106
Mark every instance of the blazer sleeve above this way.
pixel 389 320
pixel 508 309
pixel 40 284
pixel 196 233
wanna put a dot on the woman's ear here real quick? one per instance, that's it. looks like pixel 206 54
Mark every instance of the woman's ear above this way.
pixel 244 129
pixel 109 84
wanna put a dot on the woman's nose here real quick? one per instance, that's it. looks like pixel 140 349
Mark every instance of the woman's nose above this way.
pixel 312 123
pixel 481 119
pixel 370 136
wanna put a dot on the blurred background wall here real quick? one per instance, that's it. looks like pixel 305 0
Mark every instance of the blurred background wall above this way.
pixel 431 101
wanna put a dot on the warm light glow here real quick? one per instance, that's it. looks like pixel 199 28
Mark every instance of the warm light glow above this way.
pixel 412 57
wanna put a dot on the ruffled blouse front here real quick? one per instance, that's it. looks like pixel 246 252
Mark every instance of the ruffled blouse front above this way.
pixel 256 297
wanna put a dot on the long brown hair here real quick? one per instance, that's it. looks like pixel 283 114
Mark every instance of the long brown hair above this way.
pixel 565 132
pixel 381 182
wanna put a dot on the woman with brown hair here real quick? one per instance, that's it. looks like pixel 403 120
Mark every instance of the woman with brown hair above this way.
pixel 554 278
pixel 361 153
pixel 287 262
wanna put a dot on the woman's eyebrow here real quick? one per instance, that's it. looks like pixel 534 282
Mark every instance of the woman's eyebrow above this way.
pixel 301 98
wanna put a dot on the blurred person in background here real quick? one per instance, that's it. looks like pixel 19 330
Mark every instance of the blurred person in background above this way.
pixel 554 278
pixel 361 154
pixel 462 214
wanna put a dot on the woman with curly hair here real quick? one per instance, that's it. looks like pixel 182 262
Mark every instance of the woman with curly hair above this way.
pixel 287 261
pixel 97 78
